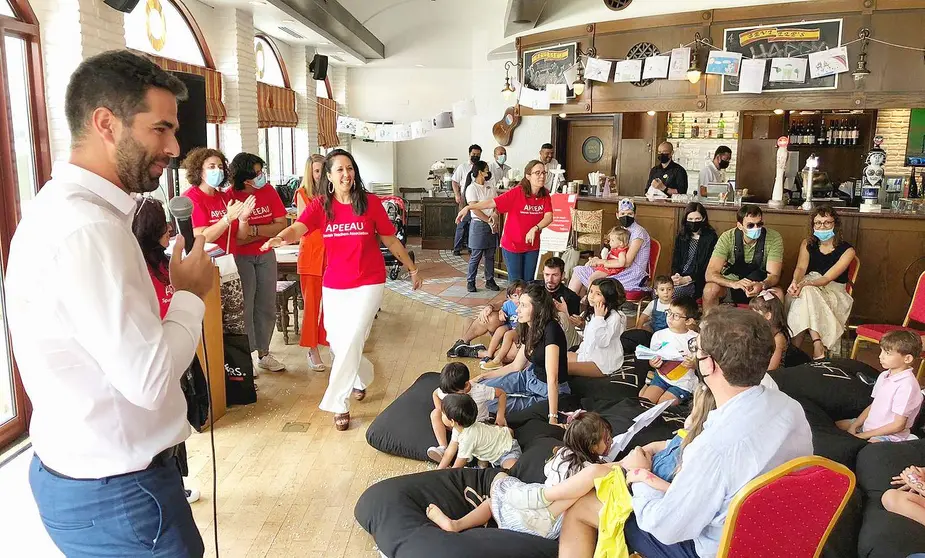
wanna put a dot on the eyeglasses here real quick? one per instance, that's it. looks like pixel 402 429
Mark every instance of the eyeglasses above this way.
pixel 757 225
pixel 539 173
pixel 677 316
pixel 827 224
pixel 694 347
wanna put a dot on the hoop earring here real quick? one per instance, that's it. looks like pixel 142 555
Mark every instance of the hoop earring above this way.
pixel 330 187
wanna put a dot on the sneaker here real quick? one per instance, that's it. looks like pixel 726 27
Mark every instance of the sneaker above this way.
pixel 527 497
pixel 268 362
pixel 435 453
pixel 192 495
pixel 470 351
pixel 256 366
pixel 490 365
pixel 471 287
pixel 453 352
pixel 457 253
pixel 492 286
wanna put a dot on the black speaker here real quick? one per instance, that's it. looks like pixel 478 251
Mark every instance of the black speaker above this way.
pixel 122 5
pixel 319 67
pixel 191 114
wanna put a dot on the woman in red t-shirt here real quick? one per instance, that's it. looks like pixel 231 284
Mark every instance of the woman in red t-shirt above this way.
pixel 311 267
pixel 257 269
pixel 529 210
pixel 352 223
pixel 215 215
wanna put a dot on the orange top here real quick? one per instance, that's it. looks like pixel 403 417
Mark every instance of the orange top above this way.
pixel 311 247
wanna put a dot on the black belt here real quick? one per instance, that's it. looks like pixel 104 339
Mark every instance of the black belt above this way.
pixel 165 458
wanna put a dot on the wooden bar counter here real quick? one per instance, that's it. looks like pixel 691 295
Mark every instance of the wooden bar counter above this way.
pixel 887 243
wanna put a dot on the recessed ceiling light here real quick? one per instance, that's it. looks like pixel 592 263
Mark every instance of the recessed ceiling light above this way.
pixel 324 43
pixel 257 3
pixel 419 65
pixel 778 111
pixel 290 21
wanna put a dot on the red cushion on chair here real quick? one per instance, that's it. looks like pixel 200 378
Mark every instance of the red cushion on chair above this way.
pixel 636 296
pixel 789 516
pixel 877 331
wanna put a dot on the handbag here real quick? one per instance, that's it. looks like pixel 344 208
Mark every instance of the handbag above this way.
pixel 232 291
pixel 239 371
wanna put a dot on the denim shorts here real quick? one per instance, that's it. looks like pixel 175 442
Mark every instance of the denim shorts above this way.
pixel 681 394
pixel 514 453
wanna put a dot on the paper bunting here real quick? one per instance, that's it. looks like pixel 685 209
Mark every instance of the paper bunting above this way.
pixel 628 70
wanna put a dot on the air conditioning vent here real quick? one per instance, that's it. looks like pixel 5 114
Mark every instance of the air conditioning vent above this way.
pixel 617 5
pixel 291 33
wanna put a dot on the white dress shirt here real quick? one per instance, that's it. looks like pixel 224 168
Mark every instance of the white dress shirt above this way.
pixel 711 174
pixel 459 175
pixel 101 368
pixel 498 172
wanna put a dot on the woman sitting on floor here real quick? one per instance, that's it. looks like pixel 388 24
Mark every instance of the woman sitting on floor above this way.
pixel 601 352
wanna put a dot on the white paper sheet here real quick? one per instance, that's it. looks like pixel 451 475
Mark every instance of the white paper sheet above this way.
pixel 654 193
pixel 828 62
pixel 385 132
pixel 346 125
pixel 366 130
pixel 680 63
pixel 724 63
pixel 597 69
pixel 656 67
pixel 664 351
pixel 628 70
pixel 444 120
pixel 644 419
pixel 402 132
pixel 790 70
pixel 417 129
pixel 751 76
pixel 464 109
pixel 558 93
pixel 571 74
pixel 537 100
pixel 429 125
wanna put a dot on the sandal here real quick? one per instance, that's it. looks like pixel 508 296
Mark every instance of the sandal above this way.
pixel 342 421
pixel 817 358
pixel 359 394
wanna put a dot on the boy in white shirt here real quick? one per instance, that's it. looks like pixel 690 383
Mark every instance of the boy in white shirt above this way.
pixel 454 378
pixel 491 444
pixel 674 379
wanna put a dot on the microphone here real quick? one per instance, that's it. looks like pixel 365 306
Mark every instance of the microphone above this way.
pixel 181 208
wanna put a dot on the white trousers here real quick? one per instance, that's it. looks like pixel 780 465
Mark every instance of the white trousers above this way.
pixel 348 318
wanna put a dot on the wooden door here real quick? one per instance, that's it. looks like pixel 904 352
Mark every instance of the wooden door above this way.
pixel 633 166
pixel 590 148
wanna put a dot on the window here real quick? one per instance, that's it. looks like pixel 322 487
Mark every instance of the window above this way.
pixel 163 27
pixel 276 148
pixel 270 69
pixel 213 136
pixel 321 88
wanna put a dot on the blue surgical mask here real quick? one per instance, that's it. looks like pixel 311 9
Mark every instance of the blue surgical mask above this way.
pixel 753 234
pixel 502 159
pixel 824 235
pixel 260 181
pixel 215 177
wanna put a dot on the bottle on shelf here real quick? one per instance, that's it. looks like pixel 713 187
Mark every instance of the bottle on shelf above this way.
pixel 810 134
pixel 831 138
pixel 823 135
pixel 855 133
pixel 791 134
pixel 913 186
pixel 669 130
pixel 681 128
pixel 709 129
pixel 695 129
pixel 721 127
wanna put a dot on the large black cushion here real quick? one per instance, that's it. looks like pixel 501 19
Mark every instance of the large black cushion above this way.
pixel 529 468
pixel 835 385
pixel 393 512
pixel 829 441
pixel 403 428
pixel 625 382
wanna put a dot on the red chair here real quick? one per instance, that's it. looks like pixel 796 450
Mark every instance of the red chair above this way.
pixel 640 298
pixel 873 333
pixel 788 511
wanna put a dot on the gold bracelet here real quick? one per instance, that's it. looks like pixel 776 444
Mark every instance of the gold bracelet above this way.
pixel 413 271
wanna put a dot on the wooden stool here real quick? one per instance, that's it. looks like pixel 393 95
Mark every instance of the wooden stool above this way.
pixel 286 291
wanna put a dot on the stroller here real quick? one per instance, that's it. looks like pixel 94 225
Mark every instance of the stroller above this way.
pixel 395 209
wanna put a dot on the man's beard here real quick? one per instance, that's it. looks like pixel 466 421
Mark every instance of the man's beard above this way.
pixel 552 287
pixel 133 166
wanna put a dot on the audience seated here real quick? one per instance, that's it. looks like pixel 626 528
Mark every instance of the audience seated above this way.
pixel 503 346
pixel 771 309
pixel 655 316
pixel 692 250
pixel 674 380
pixel 601 352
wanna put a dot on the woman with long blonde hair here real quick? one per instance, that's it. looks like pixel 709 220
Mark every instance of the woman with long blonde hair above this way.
pixel 311 267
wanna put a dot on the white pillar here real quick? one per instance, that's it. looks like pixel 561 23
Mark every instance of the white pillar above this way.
pixel 300 78
pixel 235 59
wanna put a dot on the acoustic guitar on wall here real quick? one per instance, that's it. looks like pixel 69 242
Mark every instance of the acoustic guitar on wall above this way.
pixel 503 130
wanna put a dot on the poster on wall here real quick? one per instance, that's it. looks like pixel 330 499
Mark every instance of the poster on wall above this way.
pixel 547 66
pixel 787 40
pixel 554 238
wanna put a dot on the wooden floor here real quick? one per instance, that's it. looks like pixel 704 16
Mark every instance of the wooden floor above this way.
pixel 287 481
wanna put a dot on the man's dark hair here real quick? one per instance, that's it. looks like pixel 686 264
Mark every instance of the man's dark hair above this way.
pixel 475 146
pixel 117 80
pixel 722 150
pixel 241 169
pixel 748 210
pixel 453 377
pixel 740 342
pixel 554 263
pixel 546 146
pixel 688 306
pixel 460 408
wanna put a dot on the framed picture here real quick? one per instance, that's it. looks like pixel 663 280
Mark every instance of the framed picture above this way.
pixel 547 65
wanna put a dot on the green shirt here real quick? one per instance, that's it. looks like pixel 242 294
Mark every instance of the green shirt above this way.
pixel 773 249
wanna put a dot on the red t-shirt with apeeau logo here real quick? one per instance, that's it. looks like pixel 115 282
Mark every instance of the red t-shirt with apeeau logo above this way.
pixel 522 214
pixel 163 290
pixel 208 210
pixel 350 242
pixel 267 207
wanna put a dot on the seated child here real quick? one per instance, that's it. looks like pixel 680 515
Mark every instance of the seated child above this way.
pixel 588 438
pixel 454 378
pixel 772 308
pixel 499 350
pixel 601 351
pixel 655 316
pixel 613 260
pixel 908 499
pixel 488 443
pixel 897 395
pixel 675 379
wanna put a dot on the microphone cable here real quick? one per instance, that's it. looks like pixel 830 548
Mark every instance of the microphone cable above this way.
pixel 205 356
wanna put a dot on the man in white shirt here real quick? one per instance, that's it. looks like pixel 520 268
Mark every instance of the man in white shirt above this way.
pixel 100 366
pixel 714 171
pixel 498 167
pixel 546 157
pixel 460 176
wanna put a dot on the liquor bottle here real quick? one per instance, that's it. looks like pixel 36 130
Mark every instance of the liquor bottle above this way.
pixel 831 138
pixel 695 130
pixel 669 130
pixel 913 186
pixel 792 134
pixel 811 134
pixel 839 133
pixel 709 129
pixel 681 128
pixel 721 127
pixel 823 135
pixel 855 133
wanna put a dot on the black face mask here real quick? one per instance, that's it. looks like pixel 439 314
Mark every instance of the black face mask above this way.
pixel 663 158
pixel 723 164
pixel 627 221
pixel 475 159
pixel 694 226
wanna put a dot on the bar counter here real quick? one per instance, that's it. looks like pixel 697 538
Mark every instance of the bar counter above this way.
pixel 887 244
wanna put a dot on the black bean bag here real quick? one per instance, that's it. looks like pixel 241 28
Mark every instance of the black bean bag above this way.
pixel 836 386
pixel 403 428
pixel 829 441
pixel 884 534
pixel 529 468
pixel 632 338
pixel 625 382
pixel 393 512
pixel 620 415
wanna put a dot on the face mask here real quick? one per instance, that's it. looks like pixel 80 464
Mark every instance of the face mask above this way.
pixel 627 221
pixel 694 226
pixel 260 181
pixel 824 235
pixel 215 177
pixel 474 159
pixel 723 164
pixel 663 158
pixel 753 234
pixel 502 159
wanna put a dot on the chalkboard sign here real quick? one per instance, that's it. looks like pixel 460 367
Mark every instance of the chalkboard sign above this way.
pixel 787 40
pixel 544 66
